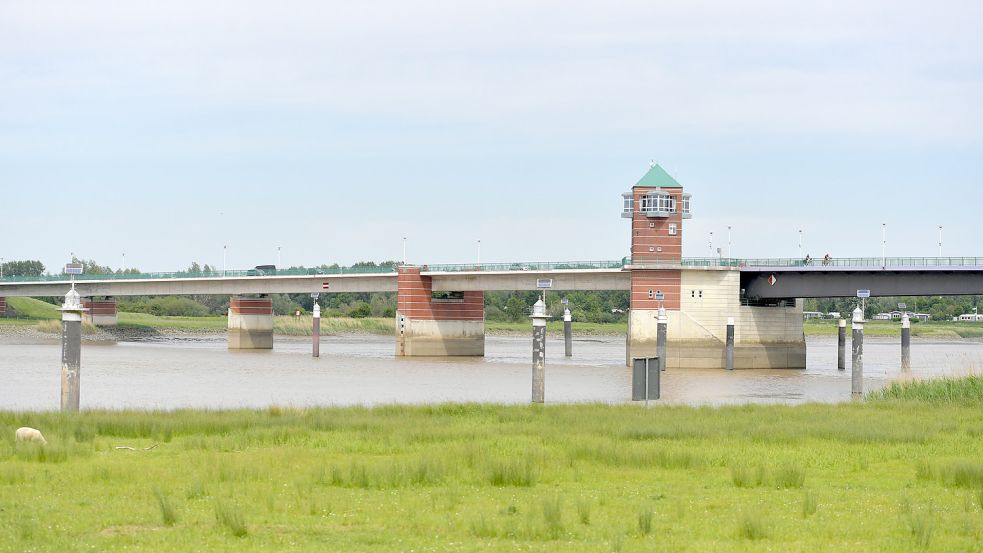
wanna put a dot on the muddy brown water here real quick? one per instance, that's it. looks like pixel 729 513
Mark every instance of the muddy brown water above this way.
pixel 362 370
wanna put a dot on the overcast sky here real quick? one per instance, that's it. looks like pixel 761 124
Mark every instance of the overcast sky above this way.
pixel 166 130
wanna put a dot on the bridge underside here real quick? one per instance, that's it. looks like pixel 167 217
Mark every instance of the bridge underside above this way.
pixel 818 283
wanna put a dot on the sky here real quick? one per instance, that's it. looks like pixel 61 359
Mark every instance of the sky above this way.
pixel 173 131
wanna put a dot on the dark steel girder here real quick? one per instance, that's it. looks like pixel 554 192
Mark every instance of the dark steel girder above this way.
pixel 813 283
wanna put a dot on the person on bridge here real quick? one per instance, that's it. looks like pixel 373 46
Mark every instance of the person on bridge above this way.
pixel 827 259
pixel 808 260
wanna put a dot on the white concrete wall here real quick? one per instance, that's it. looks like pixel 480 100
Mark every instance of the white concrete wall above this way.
pixel 440 338
pixel 765 337
pixel 250 331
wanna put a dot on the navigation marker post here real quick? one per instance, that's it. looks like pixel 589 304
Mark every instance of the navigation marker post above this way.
pixel 71 343
pixel 316 332
pixel 661 331
pixel 905 342
pixel 567 329
pixel 841 346
pixel 539 317
pixel 729 353
pixel 857 377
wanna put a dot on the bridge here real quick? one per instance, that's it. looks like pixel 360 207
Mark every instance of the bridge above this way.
pixel 794 278
pixel 440 308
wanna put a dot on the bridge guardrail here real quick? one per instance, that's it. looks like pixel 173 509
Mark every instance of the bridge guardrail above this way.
pixel 302 271
pixel 524 266
pixel 860 262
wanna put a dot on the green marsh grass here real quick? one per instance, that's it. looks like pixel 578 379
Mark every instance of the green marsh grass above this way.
pixel 168 514
pixel 751 526
pixel 540 478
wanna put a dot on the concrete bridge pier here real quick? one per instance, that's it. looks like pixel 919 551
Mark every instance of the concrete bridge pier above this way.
pixel 250 323
pixel 437 325
pixel 100 312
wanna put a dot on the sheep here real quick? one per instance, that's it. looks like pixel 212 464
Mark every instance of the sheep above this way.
pixel 27 434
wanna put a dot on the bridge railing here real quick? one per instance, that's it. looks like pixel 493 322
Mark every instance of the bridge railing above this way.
pixel 525 266
pixel 859 262
pixel 232 273
pixel 868 262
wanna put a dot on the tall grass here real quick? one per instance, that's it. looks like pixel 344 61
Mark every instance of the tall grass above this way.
pixel 290 325
pixel 964 390
pixel 167 512
pixel 584 477
pixel 751 527
pixel 230 516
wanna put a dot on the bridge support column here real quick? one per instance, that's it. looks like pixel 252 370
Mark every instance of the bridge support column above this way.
pixel 250 323
pixel 443 324
pixel 697 302
pixel 100 312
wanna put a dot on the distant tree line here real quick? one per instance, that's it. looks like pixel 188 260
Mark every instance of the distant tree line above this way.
pixel 596 307
pixel 941 308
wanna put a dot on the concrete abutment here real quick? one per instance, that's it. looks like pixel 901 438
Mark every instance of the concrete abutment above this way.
pixel 250 323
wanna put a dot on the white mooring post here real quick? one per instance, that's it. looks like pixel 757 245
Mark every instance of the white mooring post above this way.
pixel 857 377
pixel 317 329
pixel 905 342
pixel 71 350
pixel 567 333
pixel 539 317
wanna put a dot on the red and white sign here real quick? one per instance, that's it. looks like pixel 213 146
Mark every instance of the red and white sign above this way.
pixel 324 286
pixel 772 280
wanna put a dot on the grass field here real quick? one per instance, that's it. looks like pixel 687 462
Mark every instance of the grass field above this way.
pixel 900 472
pixel 930 329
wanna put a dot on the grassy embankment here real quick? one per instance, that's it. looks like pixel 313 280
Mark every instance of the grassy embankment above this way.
pixel 930 329
pixel 902 471
pixel 34 312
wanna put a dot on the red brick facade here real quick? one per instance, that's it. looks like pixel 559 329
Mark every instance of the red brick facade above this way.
pixel 645 284
pixel 414 300
pixel 3 306
pixel 99 308
pixel 651 242
pixel 648 234
pixel 251 306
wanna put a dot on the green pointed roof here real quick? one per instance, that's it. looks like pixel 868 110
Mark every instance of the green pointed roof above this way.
pixel 657 178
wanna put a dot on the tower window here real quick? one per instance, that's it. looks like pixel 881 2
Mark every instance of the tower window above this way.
pixel 658 204
pixel 629 205
pixel 672 229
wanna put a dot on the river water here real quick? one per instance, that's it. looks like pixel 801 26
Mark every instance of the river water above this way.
pixel 362 370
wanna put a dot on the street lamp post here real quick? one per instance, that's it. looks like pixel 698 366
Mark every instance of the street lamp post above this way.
pixel 940 242
pixel 404 250
pixel 883 245
pixel 123 269
pixel 711 244
pixel 224 266
pixel 479 254
pixel 800 243
pixel 278 257
pixel 729 256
